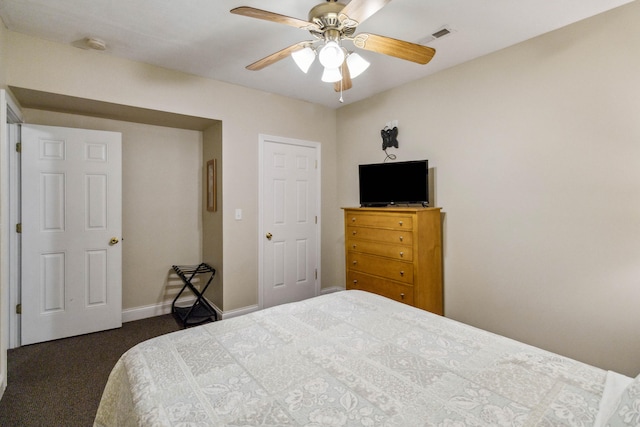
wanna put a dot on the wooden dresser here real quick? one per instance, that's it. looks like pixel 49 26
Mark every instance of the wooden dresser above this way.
pixel 396 252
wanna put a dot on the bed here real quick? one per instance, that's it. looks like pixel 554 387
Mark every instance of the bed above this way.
pixel 353 358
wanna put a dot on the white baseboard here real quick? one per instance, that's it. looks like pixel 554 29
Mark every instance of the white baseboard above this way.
pixel 144 312
pixel 331 290
pixel 240 311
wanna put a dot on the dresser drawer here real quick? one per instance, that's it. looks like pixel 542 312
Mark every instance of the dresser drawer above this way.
pixel 398 222
pixel 382 249
pixel 396 291
pixel 381 235
pixel 377 266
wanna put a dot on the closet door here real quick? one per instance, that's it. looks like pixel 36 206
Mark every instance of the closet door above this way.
pixel 71 231
pixel 290 206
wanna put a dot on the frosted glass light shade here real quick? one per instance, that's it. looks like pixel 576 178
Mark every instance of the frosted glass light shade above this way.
pixel 357 65
pixel 331 55
pixel 304 58
pixel 331 75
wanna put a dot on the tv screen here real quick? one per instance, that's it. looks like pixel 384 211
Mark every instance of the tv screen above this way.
pixel 383 184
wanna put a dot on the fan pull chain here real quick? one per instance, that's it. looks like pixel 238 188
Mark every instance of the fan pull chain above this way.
pixel 341 98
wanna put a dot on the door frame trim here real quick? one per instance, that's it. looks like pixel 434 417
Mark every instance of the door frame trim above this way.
pixel 262 139
pixel 10 114
pixel 11 198
pixel 15 243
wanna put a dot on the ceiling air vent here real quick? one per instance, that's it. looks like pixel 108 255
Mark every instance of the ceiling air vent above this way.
pixel 442 32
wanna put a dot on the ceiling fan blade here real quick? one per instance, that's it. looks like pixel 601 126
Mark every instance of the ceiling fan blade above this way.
pixel 275 57
pixel 393 47
pixel 360 10
pixel 345 83
pixel 273 17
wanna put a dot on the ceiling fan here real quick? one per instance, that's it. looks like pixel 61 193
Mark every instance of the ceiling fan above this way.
pixel 331 23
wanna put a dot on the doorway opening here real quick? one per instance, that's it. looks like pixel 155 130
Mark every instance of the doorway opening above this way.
pixel 164 156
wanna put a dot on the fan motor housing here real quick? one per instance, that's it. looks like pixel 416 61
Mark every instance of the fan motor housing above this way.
pixel 325 15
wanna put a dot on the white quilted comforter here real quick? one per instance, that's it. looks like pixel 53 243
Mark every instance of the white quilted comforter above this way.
pixel 346 359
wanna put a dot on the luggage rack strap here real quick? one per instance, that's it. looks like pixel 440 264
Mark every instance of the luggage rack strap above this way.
pixel 193 269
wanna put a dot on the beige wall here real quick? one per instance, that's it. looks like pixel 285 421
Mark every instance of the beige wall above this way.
pixel 50 67
pixel 537 166
pixel 161 200
pixel 3 63
pixel 212 221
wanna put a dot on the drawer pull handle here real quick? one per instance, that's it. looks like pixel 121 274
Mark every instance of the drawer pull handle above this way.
pixel 354 246
pixel 353 219
pixel 400 223
pixel 401 296
pixel 402 272
pixel 401 254
pixel 401 238
pixel 355 282
pixel 354 232
pixel 355 262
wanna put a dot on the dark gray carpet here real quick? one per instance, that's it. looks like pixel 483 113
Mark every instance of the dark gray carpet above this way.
pixel 60 383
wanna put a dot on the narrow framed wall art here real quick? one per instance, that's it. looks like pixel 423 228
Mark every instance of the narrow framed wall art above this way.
pixel 211 186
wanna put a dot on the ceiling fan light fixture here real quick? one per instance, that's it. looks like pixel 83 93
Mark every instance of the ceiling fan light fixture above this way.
pixel 331 75
pixel 357 64
pixel 304 58
pixel 330 23
pixel 331 55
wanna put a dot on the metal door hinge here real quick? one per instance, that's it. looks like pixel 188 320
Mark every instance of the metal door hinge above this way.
pixel 19 309
pixel 19 228
pixel 19 147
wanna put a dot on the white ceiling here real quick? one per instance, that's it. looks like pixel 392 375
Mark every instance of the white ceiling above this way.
pixel 201 37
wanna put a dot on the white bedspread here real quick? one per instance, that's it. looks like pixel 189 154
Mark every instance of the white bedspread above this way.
pixel 348 358
pixel 615 385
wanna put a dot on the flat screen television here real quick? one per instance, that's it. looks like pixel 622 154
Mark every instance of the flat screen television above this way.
pixel 383 184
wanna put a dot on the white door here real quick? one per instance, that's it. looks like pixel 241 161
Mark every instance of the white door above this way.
pixel 290 205
pixel 71 227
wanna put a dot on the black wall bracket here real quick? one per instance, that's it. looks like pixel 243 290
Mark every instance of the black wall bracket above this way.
pixel 389 137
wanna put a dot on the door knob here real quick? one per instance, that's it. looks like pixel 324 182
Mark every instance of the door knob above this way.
pixel 269 236
pixel 113 241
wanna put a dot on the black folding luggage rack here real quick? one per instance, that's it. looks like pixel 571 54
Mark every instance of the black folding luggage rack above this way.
pixel 200 311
